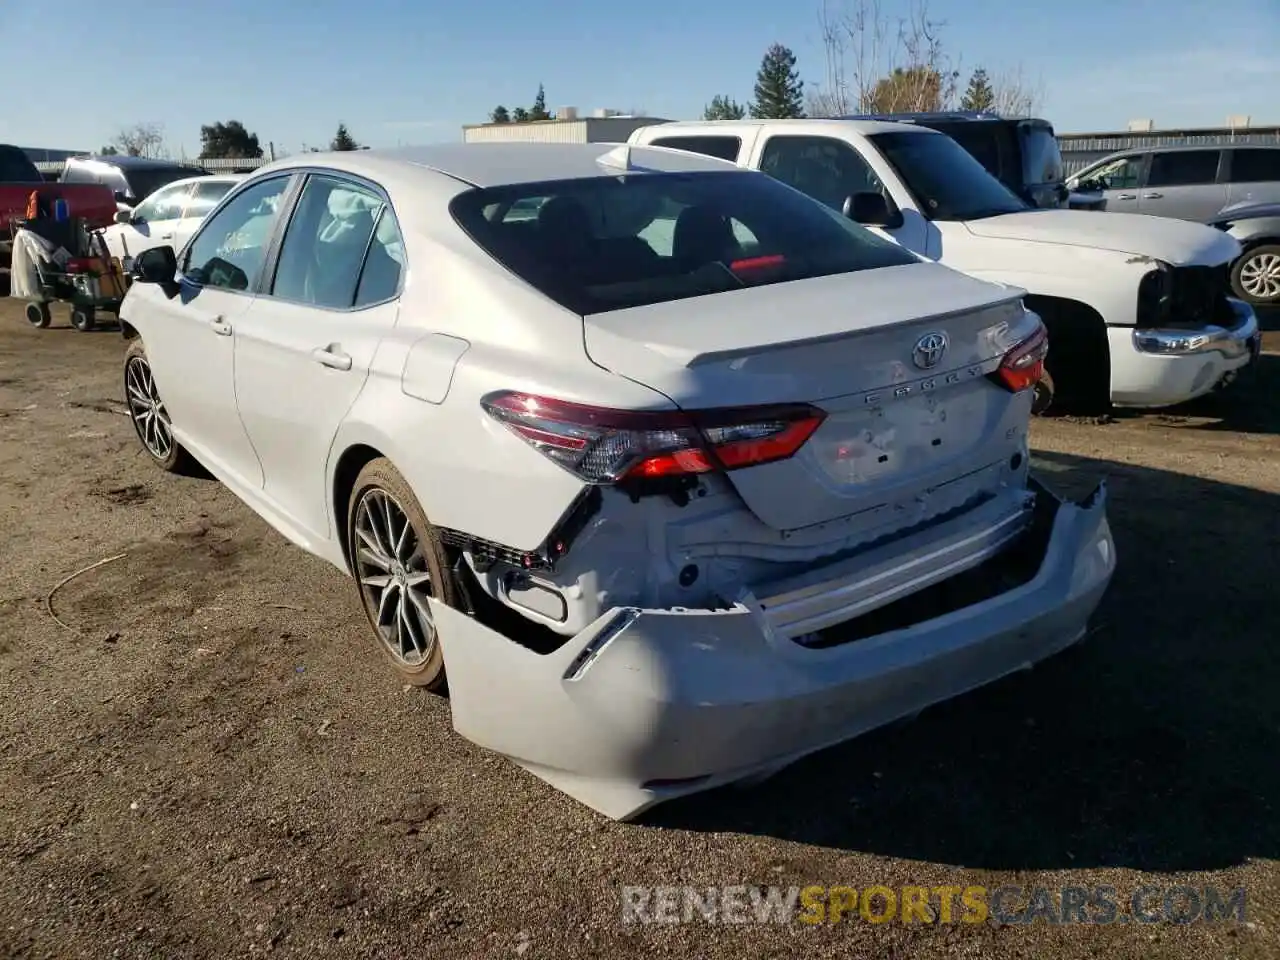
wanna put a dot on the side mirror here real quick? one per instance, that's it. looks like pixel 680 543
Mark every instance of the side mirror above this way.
pixel 156 265
pixel 124 216
pixel 871 209
pixel 1073 183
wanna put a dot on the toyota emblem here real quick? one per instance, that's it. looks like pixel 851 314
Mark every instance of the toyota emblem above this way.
pixel 929 350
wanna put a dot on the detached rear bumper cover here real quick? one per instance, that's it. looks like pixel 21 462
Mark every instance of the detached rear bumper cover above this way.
pixel 647 705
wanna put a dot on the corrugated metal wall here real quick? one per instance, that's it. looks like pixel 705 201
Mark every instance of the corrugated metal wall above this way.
pixel 1081 149
pixel 549 131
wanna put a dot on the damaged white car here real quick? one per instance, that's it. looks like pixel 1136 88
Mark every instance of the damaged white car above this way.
pixel 680 475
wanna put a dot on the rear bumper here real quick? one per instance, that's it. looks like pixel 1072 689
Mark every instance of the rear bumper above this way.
pixel 646 705
pixel 1160 368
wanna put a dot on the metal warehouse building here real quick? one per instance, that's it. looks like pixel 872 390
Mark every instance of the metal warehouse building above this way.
pixel 605 126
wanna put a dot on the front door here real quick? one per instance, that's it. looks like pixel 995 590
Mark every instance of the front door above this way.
pixel 151 224
pixel 191 342
pixel 304 352
pixel 831 170
pixel 1119 179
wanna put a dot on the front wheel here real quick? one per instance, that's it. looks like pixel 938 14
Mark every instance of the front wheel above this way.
pixel 1255 276
pixel 399 564
pixel 147 411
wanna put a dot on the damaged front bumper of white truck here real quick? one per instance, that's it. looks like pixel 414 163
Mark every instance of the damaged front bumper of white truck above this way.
pixel 646 705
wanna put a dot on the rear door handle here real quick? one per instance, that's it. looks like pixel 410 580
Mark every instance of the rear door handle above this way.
pixel 1126 196
pixel 331 356
pixel 220 327
pixel 1152 196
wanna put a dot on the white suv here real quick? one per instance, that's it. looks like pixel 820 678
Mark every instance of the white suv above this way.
pixel 1138 308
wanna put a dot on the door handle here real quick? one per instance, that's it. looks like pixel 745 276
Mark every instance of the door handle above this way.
pixel 220 327
pixel 331 356
pixel 1126 196
pixel 1152 196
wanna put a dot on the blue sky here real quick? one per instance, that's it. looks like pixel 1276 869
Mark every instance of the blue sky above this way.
pixel 405 72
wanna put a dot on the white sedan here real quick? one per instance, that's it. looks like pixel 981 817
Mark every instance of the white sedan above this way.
pixel 671 513
pixel 166 218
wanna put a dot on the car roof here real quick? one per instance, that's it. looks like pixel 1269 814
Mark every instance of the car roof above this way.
pixel 866 127
pixel 126 162
pixel 501 164
pixel 232 178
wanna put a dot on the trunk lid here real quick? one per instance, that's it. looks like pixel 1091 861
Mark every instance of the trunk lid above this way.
pixel 859 346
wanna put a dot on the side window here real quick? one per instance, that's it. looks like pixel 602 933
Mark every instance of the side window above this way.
pixel 231 247
pixel 1256 165
pixel 726 148
pixel 1120 174
pixel 1183 168
pixel 164 204
pixel 384 264
pixel 826 169
pixel 325 244
pixel 204 197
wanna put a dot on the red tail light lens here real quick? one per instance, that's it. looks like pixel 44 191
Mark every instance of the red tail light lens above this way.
pixel 1023 365
pixel 604 446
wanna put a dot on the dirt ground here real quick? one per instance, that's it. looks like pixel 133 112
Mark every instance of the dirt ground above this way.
pixel 210 759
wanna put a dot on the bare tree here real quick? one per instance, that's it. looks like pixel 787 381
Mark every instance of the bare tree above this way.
pixel 881 64
pixel 141 140
pixel 1015 95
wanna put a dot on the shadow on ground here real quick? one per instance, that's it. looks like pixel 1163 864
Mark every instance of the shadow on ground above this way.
pixel 1152 745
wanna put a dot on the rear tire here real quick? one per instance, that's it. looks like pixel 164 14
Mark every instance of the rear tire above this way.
pixel 398 562
pixel 83 319
pixel 38 314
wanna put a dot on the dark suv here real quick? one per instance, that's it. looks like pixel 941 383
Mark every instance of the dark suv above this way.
pixel 1023 154
pixel 131 179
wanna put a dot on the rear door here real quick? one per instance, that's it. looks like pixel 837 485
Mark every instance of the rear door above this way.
pixel 1184 184
pixel 1253 175
pixel 304 351
pixel 202 198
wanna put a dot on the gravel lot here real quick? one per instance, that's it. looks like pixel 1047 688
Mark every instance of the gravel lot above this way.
pixel 211 760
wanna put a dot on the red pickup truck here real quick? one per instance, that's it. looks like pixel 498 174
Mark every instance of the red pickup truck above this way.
pixel 19 176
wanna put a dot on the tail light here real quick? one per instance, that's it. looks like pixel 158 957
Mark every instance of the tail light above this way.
pixel 1023 365
pixel 606 446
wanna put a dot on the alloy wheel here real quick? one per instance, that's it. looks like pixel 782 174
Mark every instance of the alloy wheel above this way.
pixel 1260 276
pixel 394 577
pixel 147 410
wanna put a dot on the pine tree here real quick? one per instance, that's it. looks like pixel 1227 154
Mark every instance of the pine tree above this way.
pixel 539 109
pixel 499 115
pixel 979 95
pixel 722 108
pixel 779 89
pixel 342 140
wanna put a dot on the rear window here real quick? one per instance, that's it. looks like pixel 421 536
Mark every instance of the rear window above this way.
pixel 607 243
pixel 1256 165
pixel 143 183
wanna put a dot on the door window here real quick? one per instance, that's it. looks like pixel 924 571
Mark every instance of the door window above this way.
pixel 231 247
pixel 826 169
pixel 726 148
pixel 1183 168
pixel 165 204
pixel 1256 165
pixel 205 196
pixel 1122 173
pixel 384 264
pixel 324 247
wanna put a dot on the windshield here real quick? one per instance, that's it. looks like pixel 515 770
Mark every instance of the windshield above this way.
pixel 947 182
pixel 606 243
pixel 143 183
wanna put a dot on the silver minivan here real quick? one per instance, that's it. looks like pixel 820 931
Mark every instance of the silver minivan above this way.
pixel 1186 182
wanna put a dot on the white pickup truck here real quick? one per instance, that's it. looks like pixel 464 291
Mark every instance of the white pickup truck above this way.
pixel 1139 309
